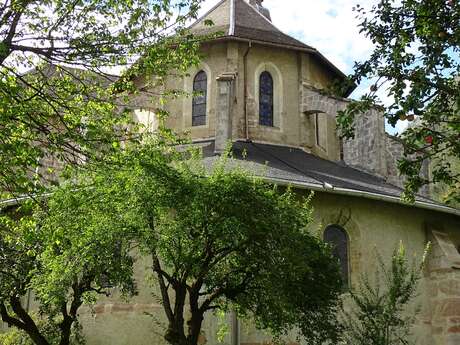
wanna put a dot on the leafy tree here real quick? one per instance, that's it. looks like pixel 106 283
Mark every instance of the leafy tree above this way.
pixel 416 63
pixel 220 239
pixel 217 239
pixel 16 336
pixel 380 312
pixel 67 114
pixel 227 240
pixel 445 192
pixel 62 253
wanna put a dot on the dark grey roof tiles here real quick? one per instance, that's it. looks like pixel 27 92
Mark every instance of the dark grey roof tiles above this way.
pixel 296 166
pixel 237 18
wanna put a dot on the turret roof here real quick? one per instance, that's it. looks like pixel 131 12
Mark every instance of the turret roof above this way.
pixel 239 20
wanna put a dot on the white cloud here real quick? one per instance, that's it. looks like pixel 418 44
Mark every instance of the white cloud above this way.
pixel 330 26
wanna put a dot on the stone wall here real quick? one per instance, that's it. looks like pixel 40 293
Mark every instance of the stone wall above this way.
pixel 443 292
pixel 393 152
pixel 367 151
pixel 371 226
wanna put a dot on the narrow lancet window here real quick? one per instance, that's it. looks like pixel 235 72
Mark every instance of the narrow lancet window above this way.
pixel 338 239
pixel 200 90
pixel 266 99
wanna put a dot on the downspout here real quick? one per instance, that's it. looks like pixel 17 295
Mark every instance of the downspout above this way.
pixel 245 63
pixel 235 340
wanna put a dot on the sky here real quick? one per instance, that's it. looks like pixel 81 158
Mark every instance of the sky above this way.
pixel 330 26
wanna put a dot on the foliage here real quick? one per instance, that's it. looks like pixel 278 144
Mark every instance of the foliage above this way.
pixel 15 336
pixel 447 193
pixel 71 115
pixel 60 250
pixel 220 239
pixel 416 64
pixel 380 312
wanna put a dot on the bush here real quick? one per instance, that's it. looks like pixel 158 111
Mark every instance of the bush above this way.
pixel 15 336
pixel 379 310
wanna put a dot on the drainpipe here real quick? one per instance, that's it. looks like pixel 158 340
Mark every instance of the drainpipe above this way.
pixel 245 63
pixel 235 329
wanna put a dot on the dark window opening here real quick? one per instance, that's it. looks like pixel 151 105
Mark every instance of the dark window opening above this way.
pixel 200 90
pixel 266 99
pixel 338 239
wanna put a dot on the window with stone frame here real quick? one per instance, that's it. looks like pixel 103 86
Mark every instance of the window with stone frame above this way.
pixel 337 238
pixel 266 93
pixel 200 91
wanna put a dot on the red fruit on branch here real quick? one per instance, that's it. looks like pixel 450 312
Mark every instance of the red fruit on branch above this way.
pixel 429 139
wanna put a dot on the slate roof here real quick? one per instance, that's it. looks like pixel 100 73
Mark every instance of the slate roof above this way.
pixel 294 166
pixel 238 20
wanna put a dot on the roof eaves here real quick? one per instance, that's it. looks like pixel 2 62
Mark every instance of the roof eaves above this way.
pixel 327 188
pixel 262 42
pixel 338 71
pixel 291 47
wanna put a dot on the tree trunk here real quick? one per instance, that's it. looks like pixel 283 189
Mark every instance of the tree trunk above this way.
pixel 66 330
pixel 175 334
pixel 23 321
pixel 71 316
pixel 194 328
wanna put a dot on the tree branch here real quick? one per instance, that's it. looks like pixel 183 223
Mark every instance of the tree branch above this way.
pixel 163 288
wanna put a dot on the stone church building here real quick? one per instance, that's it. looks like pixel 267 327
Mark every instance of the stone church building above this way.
pixel 263 91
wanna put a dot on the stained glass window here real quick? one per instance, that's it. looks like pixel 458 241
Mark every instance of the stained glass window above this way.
pixel 266 99
pixel 338 239
pixel 200 89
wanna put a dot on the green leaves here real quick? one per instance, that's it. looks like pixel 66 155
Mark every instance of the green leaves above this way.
pixel 230 240
pixel 415 62
pixel 56 115
pixel 379 311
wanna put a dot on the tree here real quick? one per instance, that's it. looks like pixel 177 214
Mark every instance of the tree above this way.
pixel 67 114
pixel 61 253
pixel 380 312
pixel 220 239
pixel 416 64
pixel 217 239
pixel 230 241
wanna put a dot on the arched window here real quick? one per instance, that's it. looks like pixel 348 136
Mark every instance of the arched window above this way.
pixel 200 90
pixel 266 99
pixel 338 239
